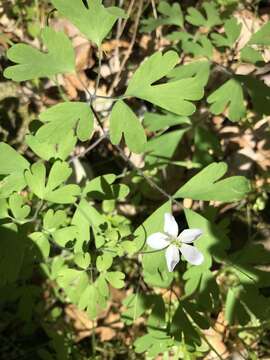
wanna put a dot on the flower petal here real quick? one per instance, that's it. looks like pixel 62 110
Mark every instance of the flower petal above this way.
pixel 189 235
pixel 158 241
pixel 172 257
pixel 191 254
pixel 170 225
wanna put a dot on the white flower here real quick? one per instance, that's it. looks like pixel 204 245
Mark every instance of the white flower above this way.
pixel 175 243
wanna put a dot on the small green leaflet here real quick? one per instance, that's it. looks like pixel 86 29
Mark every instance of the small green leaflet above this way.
pixel 52 191
pixel 95 22
pixel 207 186
pixel 115 278
pixel 248 54
pixel 154 343
pixel 228 95
pixel 196 18
pixel 199 46
pixel 124 121
pixel 232 31
pixel 262 36
pixel 14 169
pixel 32 63
pixel 64 117
pixel 173 96
pixel 42 243
pixel 161 149
pixel 15 163
pixel 156 122
pixel 172 15
pixel 102 188
pixel 46 150
pixel 13 245
pixel 198 69
pixel 53 220
pixel 18 208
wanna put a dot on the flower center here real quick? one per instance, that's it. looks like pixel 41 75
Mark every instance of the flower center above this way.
pixel 175 241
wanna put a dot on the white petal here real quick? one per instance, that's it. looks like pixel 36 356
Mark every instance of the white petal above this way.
pixel 192 254
pixel 170 225
pixel 158 241
pixel 189 235
pixel 172 257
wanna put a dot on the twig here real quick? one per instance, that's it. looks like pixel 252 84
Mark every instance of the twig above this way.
pixel 129 50
pixel 89 148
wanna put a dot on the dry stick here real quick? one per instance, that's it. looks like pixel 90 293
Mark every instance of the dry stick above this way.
pixel 129 51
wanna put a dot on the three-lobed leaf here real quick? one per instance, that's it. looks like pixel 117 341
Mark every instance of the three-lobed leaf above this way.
pixel 63 118
pixel 52 191
pixel 124 121
pixel 32 63
pixel 174 96
pixel 208 185
pixel 94 21
pixel 229 95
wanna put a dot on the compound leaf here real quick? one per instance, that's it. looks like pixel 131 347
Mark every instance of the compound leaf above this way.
pixel 32 63
pixel 196 18
pixel 172 15
pixel 207 186
pixel 124 121
pixel 232 31
pixel 63 118
pixel 228 95
pixel 60 172
pixel 173 96
pixel 94 21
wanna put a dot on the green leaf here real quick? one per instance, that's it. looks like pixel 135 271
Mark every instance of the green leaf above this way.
pixel 73 282
pixel 259 93
pixel 82 260
pixel 115 278
pixel 250 55
pixel 262 36
pixel 173 96
pixel 60 172
pixel 172 15
pixel 198 69
pixel 196 18
pixel 123 121
pixel 82 220
pixel 136 305
pixel 47 150
pixel 197 46
pixel 229 95
pixel 102 188
pixel 64 117
pixel 95 22
pixel 154 343
pixel 53 220
pixel 65 235
pixel 156 122
pixel 42 242
pixel 18 208
pixel 232 31
pixel 14 168
pixel 205 185
pixel 13 242
pixel 15 163
pixel 206 143
pixel 104 262
pixel 162 148
pixel 33 63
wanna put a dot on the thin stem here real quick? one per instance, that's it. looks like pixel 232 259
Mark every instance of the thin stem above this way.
pixel 88 149
pixel 99 70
